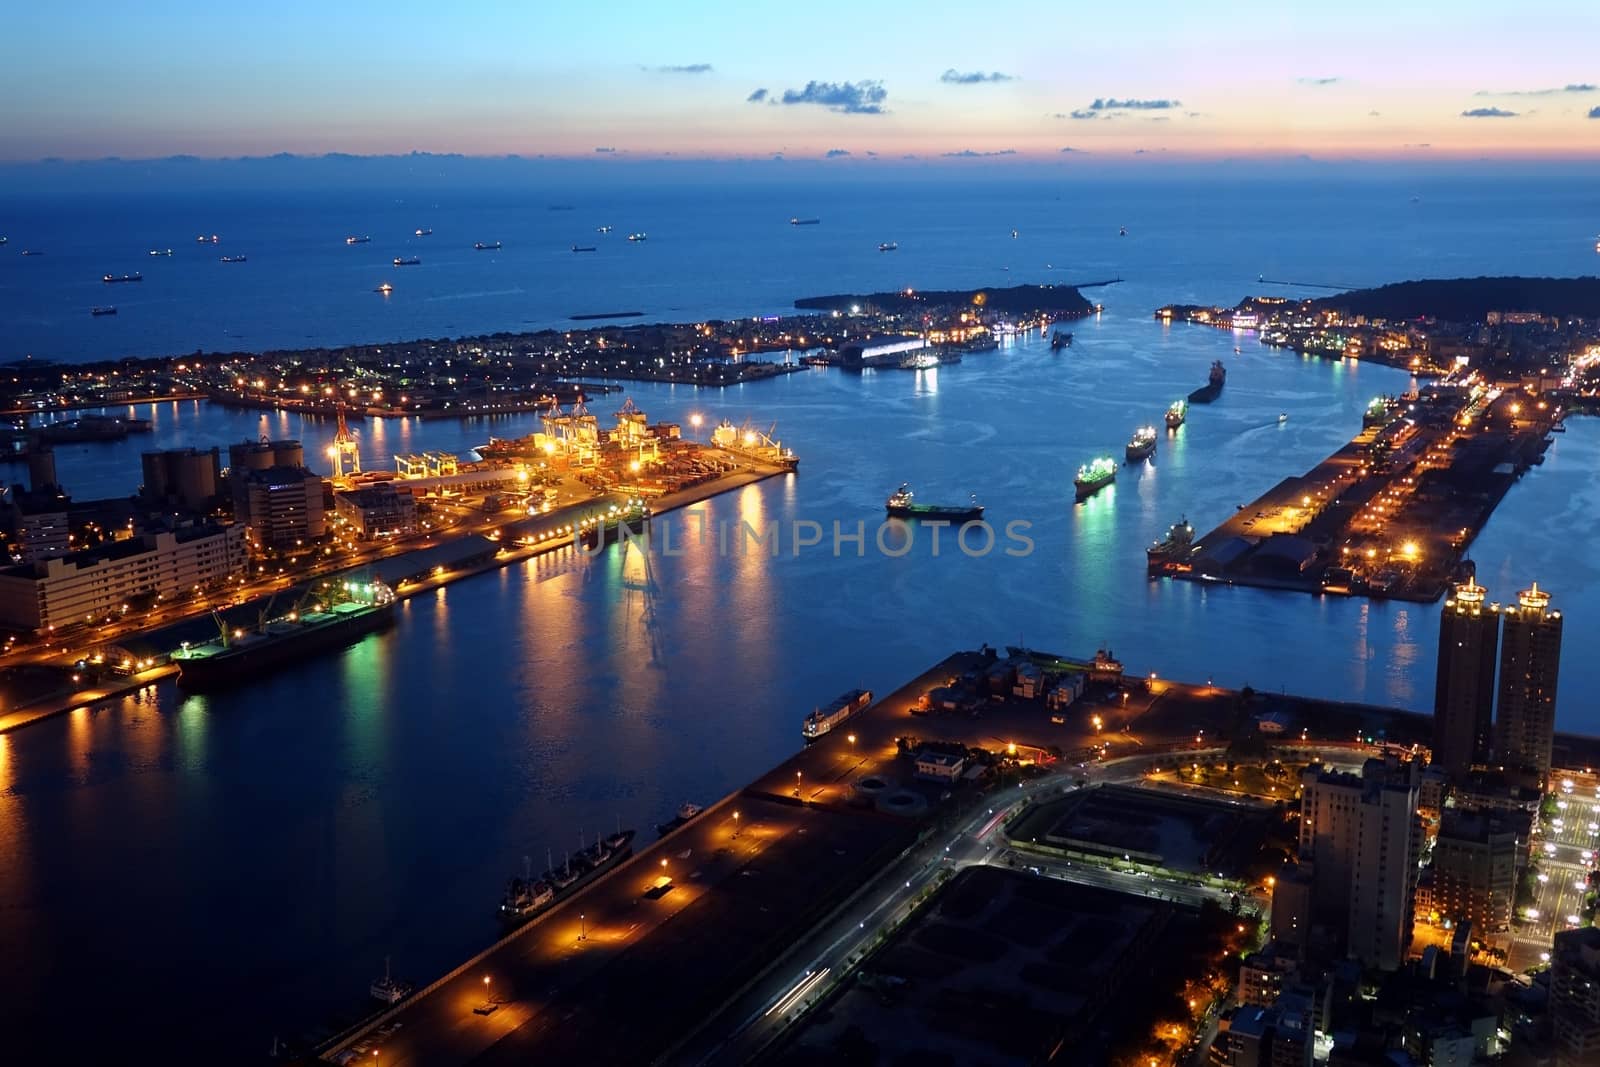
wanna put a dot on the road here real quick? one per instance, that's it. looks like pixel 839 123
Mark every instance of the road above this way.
pixel 1566 849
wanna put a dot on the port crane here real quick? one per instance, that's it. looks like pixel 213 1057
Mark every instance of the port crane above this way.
pixel 345 451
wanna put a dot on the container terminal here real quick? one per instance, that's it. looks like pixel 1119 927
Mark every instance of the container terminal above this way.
pixel 1389 515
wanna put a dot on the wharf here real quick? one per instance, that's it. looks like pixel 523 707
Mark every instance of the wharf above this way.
pixel 1390 514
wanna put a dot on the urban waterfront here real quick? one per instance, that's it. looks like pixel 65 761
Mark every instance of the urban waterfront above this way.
pixel 370 804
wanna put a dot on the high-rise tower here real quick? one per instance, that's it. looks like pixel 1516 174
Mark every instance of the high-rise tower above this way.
pixel 1463 695
pixel 1530 655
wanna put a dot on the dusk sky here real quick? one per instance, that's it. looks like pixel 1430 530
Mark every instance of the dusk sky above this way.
pixel 877 81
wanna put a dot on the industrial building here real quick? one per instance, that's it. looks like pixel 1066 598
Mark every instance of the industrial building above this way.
pixel 380 510
pixel 264 454
pixel 183 477
pixel 92 584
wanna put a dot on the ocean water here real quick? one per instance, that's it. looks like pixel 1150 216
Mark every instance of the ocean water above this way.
pixel 237 865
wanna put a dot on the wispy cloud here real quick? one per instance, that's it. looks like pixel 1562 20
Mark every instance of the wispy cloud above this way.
pixel 756 97
pixel 1111 103
pixel 967 153
pixel 1079 114
pixel 974 77
pixel 1069 148
pixel 848 98
pixel 686 68
pixel 837 153
pixel 1575 87
pixel 1488 113
pixel 605 151
pixel 1318 81
pixel 1424 144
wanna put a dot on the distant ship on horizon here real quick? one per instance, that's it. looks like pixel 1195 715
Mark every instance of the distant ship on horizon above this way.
pixel 490 247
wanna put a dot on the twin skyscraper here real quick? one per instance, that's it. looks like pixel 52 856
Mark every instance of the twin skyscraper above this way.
pixel 1477 723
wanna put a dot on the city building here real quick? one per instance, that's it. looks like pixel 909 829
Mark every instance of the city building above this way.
pixel 183 477
pixel 1575 997
pixel 1477 859
pixel 44 527
pixel 380 510
pixel 1363 839
pixel 92 584
pixel 1291 907
pixel 1463 695
pixel 939 766
pixel 280 506
pixel 1530 655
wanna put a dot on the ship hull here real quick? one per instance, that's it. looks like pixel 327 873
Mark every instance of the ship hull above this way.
pixel 1206 393
pixel 1137 452
pixel 933 511
pixel 1085 490
pixel 235 666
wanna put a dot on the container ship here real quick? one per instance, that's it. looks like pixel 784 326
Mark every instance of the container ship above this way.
pixel 1172 556
pixel 334 614
pixel 112 279
pixel 1213 387
pixel 1176 414
pixel 900 506
pixel 823 719
pixel 1094 476
pixel 1142 445
pixel 527 896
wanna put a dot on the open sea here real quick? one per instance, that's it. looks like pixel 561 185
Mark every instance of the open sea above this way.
pixel 199 874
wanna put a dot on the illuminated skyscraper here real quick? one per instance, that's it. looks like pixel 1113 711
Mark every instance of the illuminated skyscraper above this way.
pixel 1463 695
pixel 1530 654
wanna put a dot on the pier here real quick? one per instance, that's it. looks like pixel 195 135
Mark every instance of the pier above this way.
pixel 1389 515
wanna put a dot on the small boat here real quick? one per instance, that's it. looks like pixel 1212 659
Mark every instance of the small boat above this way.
pixel 583 248
pixel 385 289
pixel 4 240
pixel 389 989
pixel 1013 235
pixel 889 246
pixel 1060 340
pixel 103 311
pixel 1236 350
pixel 407 261
pixel 1283 416
pixel 492 246
pixel 233 259
pixel 353 240
pixel 422 233
pixel 161 251
pixel 112 279
pixel 638 237
pixel 686 812
pixel 1122 231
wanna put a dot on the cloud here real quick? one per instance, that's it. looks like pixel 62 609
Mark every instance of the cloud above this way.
pixel 837 153
pixel 1374 114
pixel 1424 144
pixel 1069 148
pixel 1488 113
pixel 847 98
pixel 605 150
pixel 1318 81
pixel 687 68
pixel 1575 87
pixel 1102 103
pixel 967 153
pixel 1080 114
pixel 1594 112
pixel 756 97
pixel 974 77
pixel 871 154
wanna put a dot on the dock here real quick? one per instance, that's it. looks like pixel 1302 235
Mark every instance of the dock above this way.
pixel 1390 514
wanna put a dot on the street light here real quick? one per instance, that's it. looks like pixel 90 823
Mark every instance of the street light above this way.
pixel 583 927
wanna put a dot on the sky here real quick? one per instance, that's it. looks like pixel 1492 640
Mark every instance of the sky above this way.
pixel 854 83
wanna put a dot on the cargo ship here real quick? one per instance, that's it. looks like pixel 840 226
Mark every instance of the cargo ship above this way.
pixel 203 239
pixel 753 444
pixel 353 240
pixel 823 719
pixel 803 222
pixel 407 261
pixel 1060 340
pixel 112 279
pixel 889 246
pixel 900 506
pixel 233 259
pixel 1176 414
pixel 423 233
pixel 583 248
pixel 527 896
pixel 389 989
pixel 1213 387
pixel 161 251
pixel 103 311
pixel 1095 476
pixel 923 360
pixel 492 246
pixel 638 237
pixel 1142 445
pixel 334 613
pixel 385 289
pixel 686 812
pixel 1172 555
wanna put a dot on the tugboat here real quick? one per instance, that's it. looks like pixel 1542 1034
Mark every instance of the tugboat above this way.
pixel 1142 445
pixel 900 506
pixel 1283 417
pixel 353 240
pixel 103 311
pixel 389 989
pixel 112 279
pixel 1171 556
pixel 407 261
pixel 492 246
pixel 1060 340
pixel 1094 476
pixel 1177 413
pixel 889 246
pixel 685 813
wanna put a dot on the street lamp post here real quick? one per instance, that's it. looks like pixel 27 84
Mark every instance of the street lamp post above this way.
pixel 583 927
pixel 796 783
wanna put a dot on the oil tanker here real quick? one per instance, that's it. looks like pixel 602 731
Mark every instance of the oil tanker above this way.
pixel 334 614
